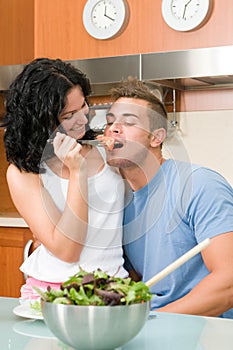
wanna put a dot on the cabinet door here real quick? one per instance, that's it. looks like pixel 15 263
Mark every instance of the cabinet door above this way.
pixel 12 244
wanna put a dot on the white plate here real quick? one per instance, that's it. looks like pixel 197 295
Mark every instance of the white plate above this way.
pixel 33 328
pixel 25 310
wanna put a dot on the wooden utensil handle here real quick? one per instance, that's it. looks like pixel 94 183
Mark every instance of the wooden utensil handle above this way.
pixel 177 263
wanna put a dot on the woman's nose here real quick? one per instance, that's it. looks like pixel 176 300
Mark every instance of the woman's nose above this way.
pixel 86 108
pixel 85 119
pixel 81 117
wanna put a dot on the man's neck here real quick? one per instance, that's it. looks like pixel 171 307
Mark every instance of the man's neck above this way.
pixel 139 176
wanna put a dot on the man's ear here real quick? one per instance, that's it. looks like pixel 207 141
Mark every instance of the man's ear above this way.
pixel 157 137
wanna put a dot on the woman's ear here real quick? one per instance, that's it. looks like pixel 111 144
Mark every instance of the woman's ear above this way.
pixel 157 137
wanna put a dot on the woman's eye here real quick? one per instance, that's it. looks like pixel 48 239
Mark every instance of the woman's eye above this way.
pixel 69 116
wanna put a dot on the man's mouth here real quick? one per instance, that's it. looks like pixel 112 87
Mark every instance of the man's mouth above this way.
pixel 117 144
pixel 109 142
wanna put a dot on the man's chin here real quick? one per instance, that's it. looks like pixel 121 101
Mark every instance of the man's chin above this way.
pixel 120 163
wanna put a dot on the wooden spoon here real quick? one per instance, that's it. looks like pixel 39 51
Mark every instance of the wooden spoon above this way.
pixel 177 263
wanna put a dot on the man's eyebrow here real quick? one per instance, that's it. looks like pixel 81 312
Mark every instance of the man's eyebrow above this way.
pixel 109 114
pixel 130 115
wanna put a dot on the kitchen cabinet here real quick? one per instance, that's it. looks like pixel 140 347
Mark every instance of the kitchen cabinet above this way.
pixel 12 244
pixel 39 28
pixel 17 31
pixel 6 204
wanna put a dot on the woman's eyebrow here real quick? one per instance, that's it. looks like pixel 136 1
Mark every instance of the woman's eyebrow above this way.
pixel 68 112
pixel 75 110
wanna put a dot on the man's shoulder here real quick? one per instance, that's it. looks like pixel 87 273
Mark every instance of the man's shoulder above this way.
pixel 196 172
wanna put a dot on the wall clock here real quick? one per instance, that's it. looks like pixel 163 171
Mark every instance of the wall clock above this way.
pixel 105 19
pixel 185 15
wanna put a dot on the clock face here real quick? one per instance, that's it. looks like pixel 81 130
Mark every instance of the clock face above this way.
pixel 184 10
pixel 185 15
pixel 104 19
pixel 104 14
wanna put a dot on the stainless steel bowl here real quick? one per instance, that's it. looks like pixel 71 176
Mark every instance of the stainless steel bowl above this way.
pixel 95 327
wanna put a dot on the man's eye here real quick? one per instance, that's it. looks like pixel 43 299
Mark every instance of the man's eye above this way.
pixel 128 123
pixel 109 121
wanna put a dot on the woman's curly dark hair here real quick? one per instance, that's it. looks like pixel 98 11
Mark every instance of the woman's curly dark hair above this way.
pixel 33 103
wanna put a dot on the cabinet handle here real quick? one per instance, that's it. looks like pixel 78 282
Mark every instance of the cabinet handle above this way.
pixel 26 253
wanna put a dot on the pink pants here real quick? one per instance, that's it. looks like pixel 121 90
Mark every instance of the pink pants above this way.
pixel 28 293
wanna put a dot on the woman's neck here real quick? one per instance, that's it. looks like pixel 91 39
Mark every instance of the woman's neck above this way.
pixel 95 163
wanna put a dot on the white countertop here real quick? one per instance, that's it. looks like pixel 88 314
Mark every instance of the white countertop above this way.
pixel 11 220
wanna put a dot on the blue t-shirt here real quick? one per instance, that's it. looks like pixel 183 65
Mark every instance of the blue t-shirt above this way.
pixel 181 206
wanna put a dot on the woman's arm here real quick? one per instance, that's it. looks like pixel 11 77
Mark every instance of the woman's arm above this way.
pixel 214 294
pixel 62 233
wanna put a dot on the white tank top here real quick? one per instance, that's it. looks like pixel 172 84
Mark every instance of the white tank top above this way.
pixel 103 246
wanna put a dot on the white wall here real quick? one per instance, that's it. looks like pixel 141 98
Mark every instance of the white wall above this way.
pixel 204 138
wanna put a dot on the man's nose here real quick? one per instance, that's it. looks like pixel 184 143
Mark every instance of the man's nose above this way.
pixel 115 127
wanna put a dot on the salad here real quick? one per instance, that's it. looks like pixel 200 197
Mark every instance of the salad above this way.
pixel 97 288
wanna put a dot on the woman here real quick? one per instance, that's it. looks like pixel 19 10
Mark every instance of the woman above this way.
pixel 70 198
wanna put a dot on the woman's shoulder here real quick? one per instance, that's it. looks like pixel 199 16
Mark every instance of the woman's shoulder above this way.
pixel 16 177
pixel 13 172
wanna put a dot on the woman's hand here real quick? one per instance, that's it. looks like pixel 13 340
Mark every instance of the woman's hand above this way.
pixel 68 151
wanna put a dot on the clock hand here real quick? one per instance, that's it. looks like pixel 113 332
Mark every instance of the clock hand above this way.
pixel 112 19
pixel 185 7
pixel 184 12
pixel 105 14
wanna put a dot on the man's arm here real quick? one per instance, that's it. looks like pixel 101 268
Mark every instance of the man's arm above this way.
pixel 214 294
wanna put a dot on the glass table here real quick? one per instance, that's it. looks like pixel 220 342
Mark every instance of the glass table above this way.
pixel 162 331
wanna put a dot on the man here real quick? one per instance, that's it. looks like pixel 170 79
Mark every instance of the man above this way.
pixel 171 206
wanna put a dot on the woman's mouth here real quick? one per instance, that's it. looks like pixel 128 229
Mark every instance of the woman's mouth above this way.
pixel 78 129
